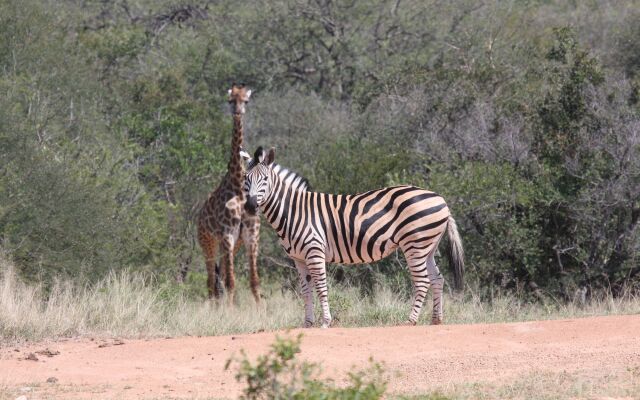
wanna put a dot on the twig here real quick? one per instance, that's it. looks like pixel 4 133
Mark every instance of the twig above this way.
pixel 278 262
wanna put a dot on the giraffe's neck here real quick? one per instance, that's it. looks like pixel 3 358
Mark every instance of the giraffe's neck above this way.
pixel 236 166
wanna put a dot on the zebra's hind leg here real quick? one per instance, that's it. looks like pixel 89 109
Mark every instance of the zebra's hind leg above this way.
pixel 419 276
pixel 307 294
pixel 437 282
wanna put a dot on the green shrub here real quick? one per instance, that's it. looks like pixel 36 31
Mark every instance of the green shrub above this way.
pixel 280 375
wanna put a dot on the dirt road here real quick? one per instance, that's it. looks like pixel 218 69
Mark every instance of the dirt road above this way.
pixel 422 358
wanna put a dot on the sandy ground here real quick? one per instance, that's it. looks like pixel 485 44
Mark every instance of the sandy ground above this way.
pixel 422 358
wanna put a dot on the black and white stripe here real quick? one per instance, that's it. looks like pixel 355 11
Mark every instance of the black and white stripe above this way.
pixel 316 228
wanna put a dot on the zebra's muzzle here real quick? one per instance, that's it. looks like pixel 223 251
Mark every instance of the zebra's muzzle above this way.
pixel 251 206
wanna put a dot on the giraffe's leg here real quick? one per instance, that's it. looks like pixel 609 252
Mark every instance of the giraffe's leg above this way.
pixel 219 290
pixel 252 255
pixel 219 277
pixel 250 237
pixel 318 271
pixel 227 246
pixel 305 289
pixel 209 247
pixel 416 261
pixel 437 282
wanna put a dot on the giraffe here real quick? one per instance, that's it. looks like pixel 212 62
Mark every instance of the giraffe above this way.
pixel 226 219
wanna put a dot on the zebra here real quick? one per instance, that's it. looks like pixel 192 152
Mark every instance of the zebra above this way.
pixel 318 228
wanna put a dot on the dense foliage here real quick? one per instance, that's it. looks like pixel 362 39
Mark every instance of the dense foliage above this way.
pixel 523 114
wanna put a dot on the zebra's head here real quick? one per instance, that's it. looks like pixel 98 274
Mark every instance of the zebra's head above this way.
pixel 258 180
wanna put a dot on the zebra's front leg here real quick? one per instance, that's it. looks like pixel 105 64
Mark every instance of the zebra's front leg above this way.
pixel 437 284
pixel 318 271
pixel 305 289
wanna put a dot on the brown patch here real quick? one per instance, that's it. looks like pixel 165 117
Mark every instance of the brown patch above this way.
pixel 115 342
pixel 47 352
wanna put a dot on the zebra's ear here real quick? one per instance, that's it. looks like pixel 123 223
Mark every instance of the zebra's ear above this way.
pixel 258 156
pixel 271 157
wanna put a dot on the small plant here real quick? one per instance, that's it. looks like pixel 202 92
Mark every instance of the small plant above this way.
pixel 279 375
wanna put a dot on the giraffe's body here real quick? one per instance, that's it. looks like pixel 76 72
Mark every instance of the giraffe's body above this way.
pixel 214 223
pixel 223 220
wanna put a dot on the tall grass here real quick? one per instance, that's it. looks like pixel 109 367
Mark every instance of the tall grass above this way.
pixel 134 305
pixel 128 305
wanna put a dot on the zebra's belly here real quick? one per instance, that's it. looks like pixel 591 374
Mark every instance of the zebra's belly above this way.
pixel 351 256
pixel 292 251
pixel 338 253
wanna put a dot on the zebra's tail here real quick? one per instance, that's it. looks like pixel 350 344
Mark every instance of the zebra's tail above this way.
pixel 455 254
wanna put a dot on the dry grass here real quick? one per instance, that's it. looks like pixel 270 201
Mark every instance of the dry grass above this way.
pixel 544 385
pixel 509 308
pixel 132 305
pixel 128 305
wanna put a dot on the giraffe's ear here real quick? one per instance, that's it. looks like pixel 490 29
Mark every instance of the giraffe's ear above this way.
pixel 248 94
pixel 245 156
pixel 229 92
pixel 258 156
pixel 271 157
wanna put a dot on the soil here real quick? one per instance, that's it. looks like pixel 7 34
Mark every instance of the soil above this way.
pixel 420 358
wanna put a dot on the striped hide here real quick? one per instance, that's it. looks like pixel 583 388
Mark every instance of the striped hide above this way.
pixel 319 228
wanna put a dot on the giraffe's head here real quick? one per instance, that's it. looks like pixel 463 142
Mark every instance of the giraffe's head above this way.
pixel 238 97
pixel 258 181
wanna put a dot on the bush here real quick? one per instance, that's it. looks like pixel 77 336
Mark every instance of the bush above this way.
pixel 524 116
pixel 280 375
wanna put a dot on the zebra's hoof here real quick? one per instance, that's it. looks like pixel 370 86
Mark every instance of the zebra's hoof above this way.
pixel 307 324
pixel 410 323
pixel 436 321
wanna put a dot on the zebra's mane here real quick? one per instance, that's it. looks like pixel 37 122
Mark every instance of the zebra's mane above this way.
pixel 287 176
pixel 292 178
